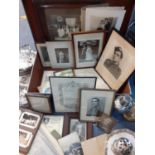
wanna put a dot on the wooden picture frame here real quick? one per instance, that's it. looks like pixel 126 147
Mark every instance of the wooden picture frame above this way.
pixel 66 91
pixel 43 53
pixel 95 102
pixel 69 117
pixel 117 61
pixel 60 54
pixel 40 102
pixel 88 47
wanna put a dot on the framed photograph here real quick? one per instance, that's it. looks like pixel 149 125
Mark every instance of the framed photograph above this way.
pixel 61 54
pixel 43 53
pixel 71 144
pixel 117 61
pixel 94 103
pixel 103 19
pixel 61 21
pixel 88 47
pixel 25 138
pixel 29 120
pixel 66 91
pixel 54 123
pixel 40 102
pixel 73 124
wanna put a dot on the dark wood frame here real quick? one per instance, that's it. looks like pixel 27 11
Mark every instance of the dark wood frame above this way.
pixel 40 95
pixel 68 117
pixel 125 82
pixel 58 77
pixel 98 90
pixel 33 131
pixel 83 33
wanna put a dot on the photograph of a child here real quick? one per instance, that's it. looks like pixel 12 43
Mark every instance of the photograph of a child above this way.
pixel 88 50
pixel 62 55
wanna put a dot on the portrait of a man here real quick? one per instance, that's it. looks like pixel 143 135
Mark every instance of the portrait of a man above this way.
pixel 113 64
pixel 95 107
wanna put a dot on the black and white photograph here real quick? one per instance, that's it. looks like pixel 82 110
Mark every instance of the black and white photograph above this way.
pixel 25 138
pixel 104 19
pixel 40 102
pixel 80 127
pixel 117 61
pixel 95 103
pixel 43 53
pixel 29 120
pixel 62 22
pixel 66 91
pixel 71 144
pixel 88 47
pixel 61 54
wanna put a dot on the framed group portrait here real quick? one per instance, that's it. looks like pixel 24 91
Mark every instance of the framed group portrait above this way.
pixel 73 124
pixel 95 103
pixel 87 47
pixel 43 53
pixel 66 92
pixel 60 54
pixel 117 61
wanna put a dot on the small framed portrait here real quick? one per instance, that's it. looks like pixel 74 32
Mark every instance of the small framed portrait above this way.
pixel 25 138
pixel 61 54
pixel 66 92
pixel 61 21
pixel 73 124
pixel 117 61
pixel 71 144
pixel 104 19
pixel 29 120
pixel 43 53
pixel 40 102
pixel 88 47
pixel 94 103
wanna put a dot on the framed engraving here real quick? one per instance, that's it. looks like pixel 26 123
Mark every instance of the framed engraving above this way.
pixel 94 103
pixel 61 54
pixel 117 61
pixel 43 53
pixel 88 47
pixel 40 102
pixel 104 18
pixel 66 91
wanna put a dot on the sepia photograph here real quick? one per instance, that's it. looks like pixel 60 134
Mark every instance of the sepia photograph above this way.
pixel 29 120
pixel 88 47
pixel 103 19
pixel 71 144
pixel 79 127
pixel 117 61
pixel 60 54
pixel 40 102
pixel 25 138
pixel 66 91
pixel 95 103
pixel 62 22
pixel 43 53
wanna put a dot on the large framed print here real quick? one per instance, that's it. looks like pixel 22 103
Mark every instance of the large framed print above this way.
pixel 61 21
pixel 73 124
pixel 95 19
pixel 43 53
pixel 40 102
pixel 61 54
pixel 88 47
pixel 94 103
pixel 117 61
pixel 66 91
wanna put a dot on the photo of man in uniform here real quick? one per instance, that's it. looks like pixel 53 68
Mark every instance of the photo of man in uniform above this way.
pixel 113 64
